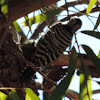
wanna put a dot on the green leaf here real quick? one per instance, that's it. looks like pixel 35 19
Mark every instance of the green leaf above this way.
pixel 60 90
pixel 85 84
pixel 92 33
pixel 13 95
pixel 19 38
pixel 99 54
pixel 30 95
pixel 17 27
pixel 4 7
pixel 42 17
pixel 27 22
pixel 72 60
pixel 97 23
pixel 92 57
pixel 91 4
pixel 3 96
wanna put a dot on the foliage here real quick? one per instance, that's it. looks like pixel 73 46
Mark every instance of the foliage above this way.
pixel 97 23
pixel 41 17
pixel 3 96
pixel 91 4
pixel 30 95
pixel 85 83
pixel 13 95
pixel 92 33
pixel 62 89
pixel 4 7
pixel 92 57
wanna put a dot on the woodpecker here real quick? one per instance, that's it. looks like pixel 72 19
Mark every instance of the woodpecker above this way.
pixel 55 41
pixel 50 46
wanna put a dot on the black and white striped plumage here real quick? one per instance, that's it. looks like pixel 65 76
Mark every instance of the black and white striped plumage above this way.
pixel 55 42
pixel 50 46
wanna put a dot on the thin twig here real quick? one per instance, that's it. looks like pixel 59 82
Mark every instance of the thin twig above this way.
pixel 83 12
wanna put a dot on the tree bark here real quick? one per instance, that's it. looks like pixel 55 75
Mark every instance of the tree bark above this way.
pixel 18 8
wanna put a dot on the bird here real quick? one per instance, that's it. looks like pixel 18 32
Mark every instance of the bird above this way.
pixel 51 45
pixel 55 41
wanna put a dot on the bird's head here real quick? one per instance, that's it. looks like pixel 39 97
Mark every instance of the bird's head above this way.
pixel 74 24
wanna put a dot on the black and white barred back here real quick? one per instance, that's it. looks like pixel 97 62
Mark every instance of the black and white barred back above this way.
pixel 55 42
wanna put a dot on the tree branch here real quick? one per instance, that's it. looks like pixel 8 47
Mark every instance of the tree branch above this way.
pixel 71 4
pixel 80 13
pixel 63 60
pixel 43 24
pixel 19 8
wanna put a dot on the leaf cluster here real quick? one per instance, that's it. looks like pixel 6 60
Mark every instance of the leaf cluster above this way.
pixel 62 89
